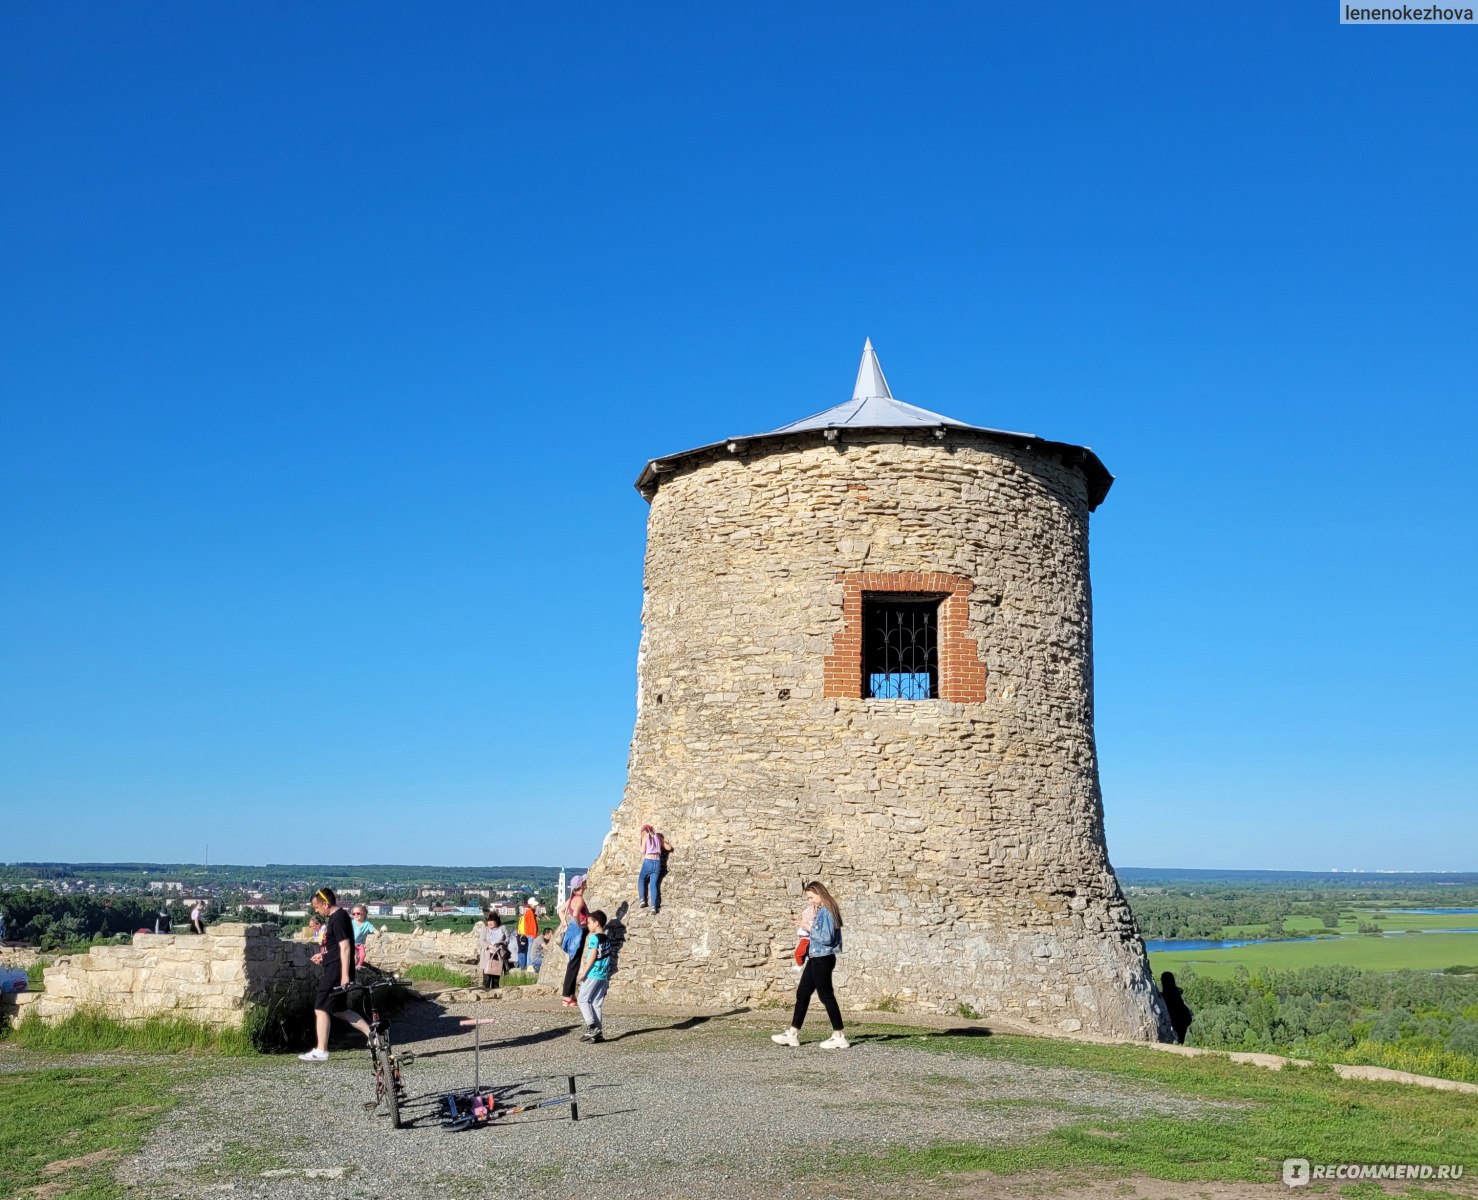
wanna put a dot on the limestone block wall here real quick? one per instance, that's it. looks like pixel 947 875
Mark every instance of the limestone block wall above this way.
pixel 964 840
pixel 210 978
pixel 394 952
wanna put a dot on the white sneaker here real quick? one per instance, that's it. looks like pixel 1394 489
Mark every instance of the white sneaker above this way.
pixel 837 1041
pixel 314 1056
pixel 788 1038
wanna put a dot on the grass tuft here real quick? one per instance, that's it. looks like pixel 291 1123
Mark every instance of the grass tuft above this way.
pixel 89 1030
pixel 438 973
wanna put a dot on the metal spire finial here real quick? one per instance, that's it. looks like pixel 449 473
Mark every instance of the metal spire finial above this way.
pixel 870 381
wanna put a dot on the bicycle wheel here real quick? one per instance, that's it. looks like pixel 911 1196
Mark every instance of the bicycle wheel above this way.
pixel 392 1087
pixel 377 1066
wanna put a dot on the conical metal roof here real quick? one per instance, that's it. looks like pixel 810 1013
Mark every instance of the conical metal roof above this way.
pixel 873 407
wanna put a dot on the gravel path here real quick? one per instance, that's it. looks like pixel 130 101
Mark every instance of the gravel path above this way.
pixel 668 1107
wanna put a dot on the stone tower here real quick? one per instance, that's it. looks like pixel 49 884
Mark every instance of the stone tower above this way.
pixel 866 658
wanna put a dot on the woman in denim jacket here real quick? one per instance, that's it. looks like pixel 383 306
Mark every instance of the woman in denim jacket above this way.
pixel 822 924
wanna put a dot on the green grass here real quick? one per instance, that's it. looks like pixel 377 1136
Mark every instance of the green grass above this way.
pixel 88 1031
pixel 1263 1117
pixel 463 977
pixel 1414 952
pixel 52 1120
pixel 438 973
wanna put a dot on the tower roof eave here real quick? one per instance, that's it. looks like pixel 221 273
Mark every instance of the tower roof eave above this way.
pixel 1098 477
pixel 874 408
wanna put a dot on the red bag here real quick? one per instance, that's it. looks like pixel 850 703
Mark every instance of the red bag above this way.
pixel 802 948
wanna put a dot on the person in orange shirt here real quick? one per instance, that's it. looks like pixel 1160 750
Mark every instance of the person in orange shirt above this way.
pixel 528 930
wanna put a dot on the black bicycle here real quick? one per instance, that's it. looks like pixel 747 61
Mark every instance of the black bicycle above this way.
pixel 386 1063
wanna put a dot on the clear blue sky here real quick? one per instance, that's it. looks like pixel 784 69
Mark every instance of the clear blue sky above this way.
pixel 334 336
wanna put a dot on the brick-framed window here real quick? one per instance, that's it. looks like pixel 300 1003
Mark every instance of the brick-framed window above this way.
pixel 927 613
pixel 900 646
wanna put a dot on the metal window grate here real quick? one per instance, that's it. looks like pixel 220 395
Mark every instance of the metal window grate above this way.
pixel 900 646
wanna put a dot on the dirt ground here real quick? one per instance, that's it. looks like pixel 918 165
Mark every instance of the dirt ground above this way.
pixel 670 1107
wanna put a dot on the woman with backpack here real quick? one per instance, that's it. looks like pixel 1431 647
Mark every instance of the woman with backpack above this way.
pixel 821 941
pixel 576 916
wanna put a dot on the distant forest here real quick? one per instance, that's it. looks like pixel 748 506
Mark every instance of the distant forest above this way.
pixel 1187 879
pixel 275 876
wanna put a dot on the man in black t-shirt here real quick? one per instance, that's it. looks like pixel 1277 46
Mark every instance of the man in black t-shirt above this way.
pixel 337 957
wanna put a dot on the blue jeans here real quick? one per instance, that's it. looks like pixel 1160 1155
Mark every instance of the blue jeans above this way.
pixel 651 873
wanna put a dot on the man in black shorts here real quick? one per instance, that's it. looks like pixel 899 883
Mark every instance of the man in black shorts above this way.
pixel 337 956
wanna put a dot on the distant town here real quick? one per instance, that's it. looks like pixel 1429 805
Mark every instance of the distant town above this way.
pixel 247 892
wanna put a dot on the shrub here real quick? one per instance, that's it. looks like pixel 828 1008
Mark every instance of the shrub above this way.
pixel 280 1023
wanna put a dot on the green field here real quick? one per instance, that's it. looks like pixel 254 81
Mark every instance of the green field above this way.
pixel 1414 952
pixel 1351 920
pixel 1399 920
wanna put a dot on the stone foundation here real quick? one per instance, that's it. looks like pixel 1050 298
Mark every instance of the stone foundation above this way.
pixel 211 978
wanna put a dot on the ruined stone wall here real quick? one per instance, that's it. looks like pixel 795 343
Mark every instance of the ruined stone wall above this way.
pixel 394 952
pixel 963 840
pixel 210 978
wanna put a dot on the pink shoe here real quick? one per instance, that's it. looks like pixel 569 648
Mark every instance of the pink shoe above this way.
pixel 570 1002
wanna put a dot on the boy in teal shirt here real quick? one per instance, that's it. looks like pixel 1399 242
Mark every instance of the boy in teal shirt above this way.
pixel 595 977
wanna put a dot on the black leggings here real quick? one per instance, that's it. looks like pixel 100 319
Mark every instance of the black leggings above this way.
pixel 816 977
pixel 572 968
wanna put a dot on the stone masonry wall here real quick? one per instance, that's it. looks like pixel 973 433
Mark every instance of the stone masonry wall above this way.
pixel 394 952
pixel 963 840
pixel 210 978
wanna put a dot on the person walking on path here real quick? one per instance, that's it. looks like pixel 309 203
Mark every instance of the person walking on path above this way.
pixel 337 956
pixel 493 951
pixel 528 930
pixel 197 919
pixel 821 925
pixel 654 847
pixel 572 937
pixel 595 977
